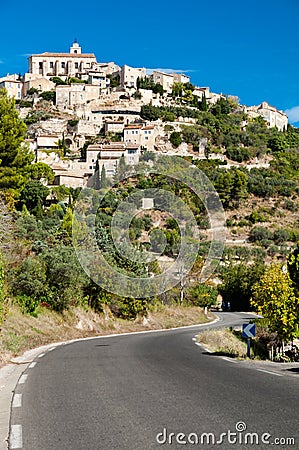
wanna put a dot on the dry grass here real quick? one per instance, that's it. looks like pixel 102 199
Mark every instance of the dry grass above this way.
pixel 223 342
pixel 21 332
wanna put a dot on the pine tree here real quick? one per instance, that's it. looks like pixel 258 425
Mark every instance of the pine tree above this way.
pixel 204 106
pixel 96 176
pixel 15 159
pixel 103 180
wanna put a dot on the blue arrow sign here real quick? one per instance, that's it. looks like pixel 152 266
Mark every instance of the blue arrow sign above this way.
pixel 248 330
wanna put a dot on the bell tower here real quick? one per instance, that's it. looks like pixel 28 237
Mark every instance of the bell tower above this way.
pixel 75 48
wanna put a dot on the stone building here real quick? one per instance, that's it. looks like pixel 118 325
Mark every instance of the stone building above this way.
pixel 61 65
pixel 163 78
pixel 13 86
pixel 143 135
pixel 273 116
pixel 36 81
pixel 129 75
pixel 68 96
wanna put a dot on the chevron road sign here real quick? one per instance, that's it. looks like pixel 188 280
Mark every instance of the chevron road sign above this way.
pixel 248 330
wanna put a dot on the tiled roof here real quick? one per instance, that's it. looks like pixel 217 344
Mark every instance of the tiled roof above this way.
pixel 66 55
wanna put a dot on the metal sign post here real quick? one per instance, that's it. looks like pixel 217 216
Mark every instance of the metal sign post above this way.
pixel 248 331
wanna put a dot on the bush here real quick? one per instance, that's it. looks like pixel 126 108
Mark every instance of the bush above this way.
pixel 49 96
pixel 32 91
pixel 259 234
pixel 73 122
pixel 28 304
pixel 239 154
pixel 281 235
pixel 175 138
pixel 202 295
pixel 129 308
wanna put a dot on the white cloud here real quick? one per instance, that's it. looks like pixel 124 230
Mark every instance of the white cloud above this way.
pixel 149 71
pixel 293 114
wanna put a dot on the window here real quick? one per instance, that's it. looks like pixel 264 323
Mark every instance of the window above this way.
pixel 51 65
pixel 146 138
pixel 76 65
pixel 92 160
pixel 90 167
pixel 40 65
pixel 63 65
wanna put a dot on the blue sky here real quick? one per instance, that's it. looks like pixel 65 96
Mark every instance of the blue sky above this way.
pixel 249 49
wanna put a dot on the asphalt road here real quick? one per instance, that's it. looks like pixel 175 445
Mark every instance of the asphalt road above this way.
pixel 121 392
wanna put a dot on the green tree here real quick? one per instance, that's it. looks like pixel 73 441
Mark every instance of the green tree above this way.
pixel 67 221
pixel 48 95
pixel 238 281
pixel 96 176
pixel 293 266
pixel 175 138
pixel 203 103
pixel 177 89
pixel 149 112
pixel 40 171
pixel 33 193
pixel 104 180
pixel 58 81
pixel 274 297
pixel 158 89
pixel 202 295
pixel 15 158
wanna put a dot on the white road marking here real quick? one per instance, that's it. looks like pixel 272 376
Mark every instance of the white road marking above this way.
pixel 193 339
pixel 271 373
pixel 41 355
pixel 203 347
pixel 50 349
pixel 17 401
pixel 15 439
pixel 229 360
pixel 23 379
pixel 33 364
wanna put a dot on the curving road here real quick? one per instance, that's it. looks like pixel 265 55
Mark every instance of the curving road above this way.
pixel 122 392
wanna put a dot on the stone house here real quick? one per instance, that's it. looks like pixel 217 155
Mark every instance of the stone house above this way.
pixel 13 86
pixel 61 65
pixel 273 116
pixel 129 75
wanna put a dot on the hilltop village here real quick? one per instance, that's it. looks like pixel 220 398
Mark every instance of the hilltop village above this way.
pixel 80 112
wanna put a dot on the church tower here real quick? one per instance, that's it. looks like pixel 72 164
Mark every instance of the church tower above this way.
pixel 75 48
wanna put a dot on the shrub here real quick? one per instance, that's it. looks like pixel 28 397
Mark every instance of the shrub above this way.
pixel 175 138
pixel 258 234
pixel 48 95
pixel 73 122
pixel 281 235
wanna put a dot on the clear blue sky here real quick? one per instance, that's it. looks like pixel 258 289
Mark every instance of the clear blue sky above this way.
pixel 249 49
